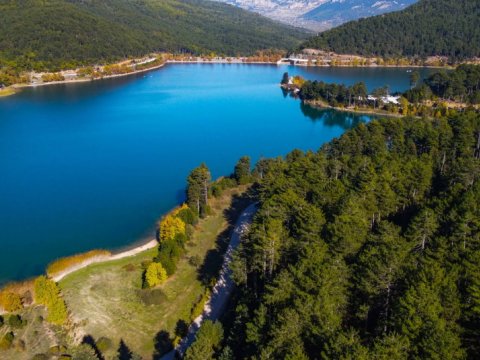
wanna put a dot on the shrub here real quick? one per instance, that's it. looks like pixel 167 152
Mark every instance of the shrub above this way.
pixel 195 261
pixel 129 267
pixel 10 301
pixel 152 297
pixel 57 350
pixel 155 274
pixel 103 344
pixel 187 215
pixel 6 341
pixel 15 321
pixel 52 77
pixel 197 309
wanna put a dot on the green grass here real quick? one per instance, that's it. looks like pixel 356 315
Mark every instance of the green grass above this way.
pixel 105 299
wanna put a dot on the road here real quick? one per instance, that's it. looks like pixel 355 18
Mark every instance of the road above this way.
pixel 222 289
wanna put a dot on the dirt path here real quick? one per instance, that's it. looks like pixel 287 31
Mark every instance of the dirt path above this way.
pixel 222 289
pixel 104 258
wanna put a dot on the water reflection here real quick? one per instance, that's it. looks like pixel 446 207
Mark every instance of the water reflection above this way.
pixel 330 117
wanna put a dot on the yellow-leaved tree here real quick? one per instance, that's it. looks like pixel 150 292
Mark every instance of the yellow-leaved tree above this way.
pixel 155 274
pixel 10 301
pixel 170 227
pixel 47 293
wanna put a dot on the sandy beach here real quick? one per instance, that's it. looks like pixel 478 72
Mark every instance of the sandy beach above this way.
pixel 104 258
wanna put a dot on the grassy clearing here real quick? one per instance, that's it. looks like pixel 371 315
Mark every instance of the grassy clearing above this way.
pixel 106 299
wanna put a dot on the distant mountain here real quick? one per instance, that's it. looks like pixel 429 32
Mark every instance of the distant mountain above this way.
pixel 336 12
pixel 427 28
pixel 319 14
pixel 66 32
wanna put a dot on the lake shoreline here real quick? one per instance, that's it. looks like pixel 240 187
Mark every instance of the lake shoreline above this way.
pixel 106 258
pixel 16 88
pixel 360 111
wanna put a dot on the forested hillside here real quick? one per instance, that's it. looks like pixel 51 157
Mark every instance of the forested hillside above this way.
pixel 427 28
pixel 61 33
pixel 367 249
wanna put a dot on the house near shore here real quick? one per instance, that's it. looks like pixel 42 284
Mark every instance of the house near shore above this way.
pixel 389 99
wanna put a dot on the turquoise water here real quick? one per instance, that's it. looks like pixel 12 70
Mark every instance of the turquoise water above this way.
pixel 93 165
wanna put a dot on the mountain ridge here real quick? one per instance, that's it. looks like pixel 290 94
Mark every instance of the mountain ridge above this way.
pixel 319 15
pixel 59 33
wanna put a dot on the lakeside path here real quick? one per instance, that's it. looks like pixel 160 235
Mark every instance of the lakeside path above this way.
pixel 105 258
pixel 223 288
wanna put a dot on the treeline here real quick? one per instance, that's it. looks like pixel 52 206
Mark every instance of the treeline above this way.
pixel 366 249
pixel 427 28
pixel 461 85
pixel 176 228
pixel 334 94
pixel 51 35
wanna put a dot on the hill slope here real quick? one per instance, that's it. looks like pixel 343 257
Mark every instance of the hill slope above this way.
pixel 81 31
pixel 427 28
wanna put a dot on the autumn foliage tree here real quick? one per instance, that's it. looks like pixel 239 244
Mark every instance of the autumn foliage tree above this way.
pixel 47 293
pixel 155 274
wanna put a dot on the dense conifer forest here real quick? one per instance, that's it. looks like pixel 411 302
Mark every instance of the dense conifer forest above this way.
pixel 366 249
pixel 54 34
pixel 427 28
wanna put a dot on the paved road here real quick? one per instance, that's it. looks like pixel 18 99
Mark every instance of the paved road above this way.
pixel 222 289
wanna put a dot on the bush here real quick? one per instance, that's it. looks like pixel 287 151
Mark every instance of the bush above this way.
pixel 10 301
pixel 52 77
pixel 1 321
pixel 6 341
pixel 197 309
pixel 57 350
pixel 103 344
pixel 129 267
pixel 195 261
pixel 152 297
pixel 15 321
pixel 155 274
pixel 187 215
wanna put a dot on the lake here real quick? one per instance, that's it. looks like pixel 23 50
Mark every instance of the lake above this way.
pixel 94 165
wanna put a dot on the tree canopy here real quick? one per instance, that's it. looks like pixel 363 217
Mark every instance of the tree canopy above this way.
pixel 55 34
pixel 427 28
pixel 366 249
